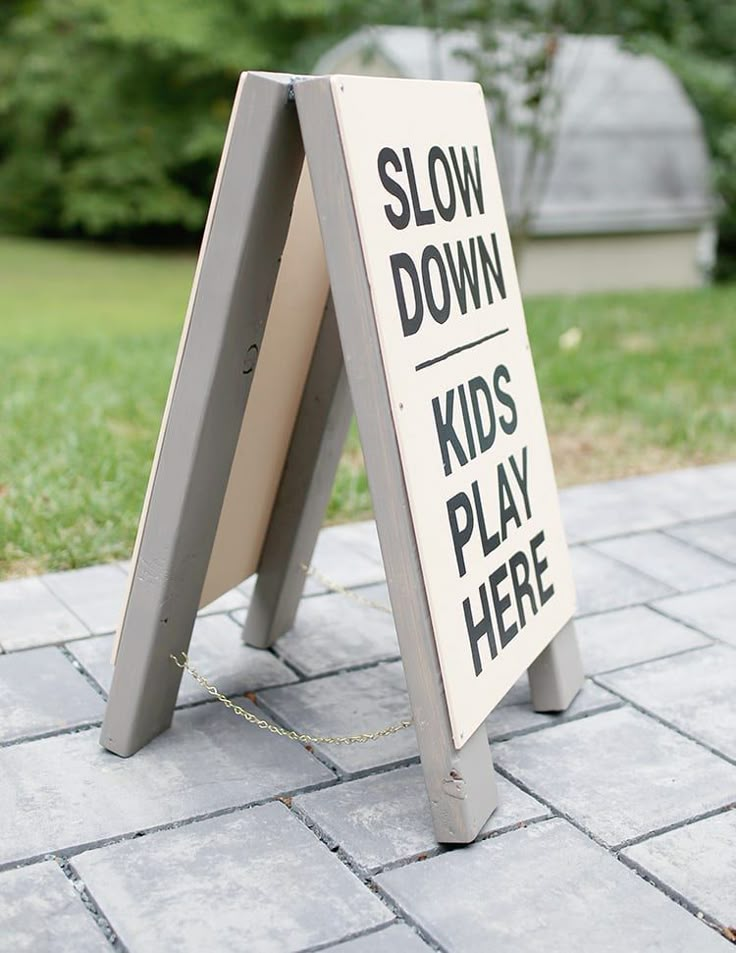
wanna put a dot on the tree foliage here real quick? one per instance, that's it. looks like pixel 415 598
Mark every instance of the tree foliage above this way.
pixel 695 38
pixel 113 112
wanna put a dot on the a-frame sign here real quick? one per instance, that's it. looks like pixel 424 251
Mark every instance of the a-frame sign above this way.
pixel 424 334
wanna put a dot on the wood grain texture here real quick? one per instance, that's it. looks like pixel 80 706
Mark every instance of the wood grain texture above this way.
pixel 460 783
pixel 306 484
pixel 236 274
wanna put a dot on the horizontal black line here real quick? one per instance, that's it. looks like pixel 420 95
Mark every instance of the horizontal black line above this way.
pixel 457 350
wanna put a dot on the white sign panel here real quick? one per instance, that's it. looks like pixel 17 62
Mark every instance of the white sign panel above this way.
pixel 461 382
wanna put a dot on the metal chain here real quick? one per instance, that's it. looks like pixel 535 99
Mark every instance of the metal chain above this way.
pixel 333 586
pixel 184 663
pixel 341 590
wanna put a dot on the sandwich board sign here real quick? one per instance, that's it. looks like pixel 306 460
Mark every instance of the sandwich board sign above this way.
pixel 377 275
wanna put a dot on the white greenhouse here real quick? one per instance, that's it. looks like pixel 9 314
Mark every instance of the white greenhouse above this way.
pixel 623 200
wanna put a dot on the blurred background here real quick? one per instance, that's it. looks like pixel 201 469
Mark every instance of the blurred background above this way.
pixel 614 125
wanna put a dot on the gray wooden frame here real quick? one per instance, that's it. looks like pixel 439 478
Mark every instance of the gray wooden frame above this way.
pixel 461 784
pixel 243 242
pixel 244 239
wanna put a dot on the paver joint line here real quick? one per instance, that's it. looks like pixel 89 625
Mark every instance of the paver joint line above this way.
pixel 67 853
pixel 627 702
pixel 591 547
pixel 674 895
pixel 99 918
pixel 82 671
pixel 649 673
pixel 555 811
pixel 687 822
pixel 406 917
pixel 625 668
pixel 689 625
pixel 64 603
pixel 352 936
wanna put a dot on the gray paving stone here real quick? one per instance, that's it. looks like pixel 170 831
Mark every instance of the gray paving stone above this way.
pixel 619 774
pixel 341 560
pixel 352 702
pixel 216 651
pixel 346 556
pixel 41 692
pixel 543 889
pixel 348 704
pixel 515 713
pixel 311 589
pixel 694 692
pixel 397 938
pixel 604 584
pixel 363 536
pixel 255 880
pixel 41 912
pixel 599 510
pixel 694 493
pixel 713 611
pixel 668 560
pixel 66 791
pixel 630 636
pixel 230 601
pixel 717 536
pixel 94 594
pixel 698 862
pixel 383 819
pixel 335 631
pixel 246 588
pixel 239 617
pixel 31 615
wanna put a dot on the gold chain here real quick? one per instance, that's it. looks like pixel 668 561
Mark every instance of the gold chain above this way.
pixel 183 663
pixel 341 590
pixel 277 729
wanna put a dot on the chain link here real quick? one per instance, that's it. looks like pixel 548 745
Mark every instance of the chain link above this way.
pixel 183 663
pixel 366 736
pixel 342 590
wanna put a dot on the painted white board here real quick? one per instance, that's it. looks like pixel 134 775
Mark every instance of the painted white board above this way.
pixel 461 382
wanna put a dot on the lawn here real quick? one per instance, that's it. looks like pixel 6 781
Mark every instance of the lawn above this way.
pixel 631 383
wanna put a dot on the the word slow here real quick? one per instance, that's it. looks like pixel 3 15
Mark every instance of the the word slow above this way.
pixel 448 276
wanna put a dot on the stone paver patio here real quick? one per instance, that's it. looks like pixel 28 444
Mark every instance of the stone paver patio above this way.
pixel 616 829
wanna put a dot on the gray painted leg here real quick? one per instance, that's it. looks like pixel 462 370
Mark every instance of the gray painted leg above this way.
pixel 557 675
pixel 243 242
pixel 309 473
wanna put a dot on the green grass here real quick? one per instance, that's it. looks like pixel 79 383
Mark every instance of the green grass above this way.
pixel 650 385
pixel 88 339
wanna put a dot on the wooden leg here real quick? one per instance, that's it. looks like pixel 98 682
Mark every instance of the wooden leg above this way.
pixel 236 274
pixel 557 675
pixel 306 484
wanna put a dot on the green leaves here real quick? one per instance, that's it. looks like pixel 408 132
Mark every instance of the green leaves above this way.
pixel 112 115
